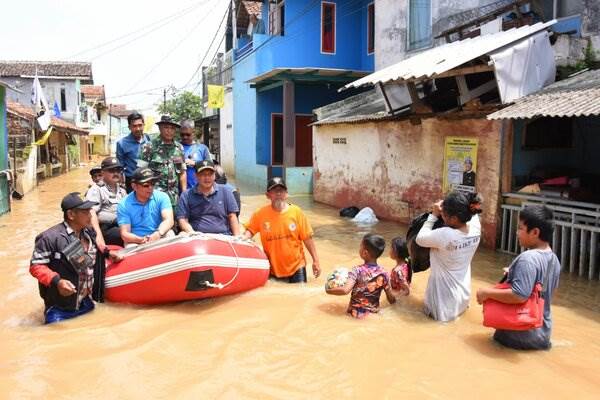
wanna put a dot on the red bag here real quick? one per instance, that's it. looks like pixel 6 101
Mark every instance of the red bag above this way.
pixel 515 317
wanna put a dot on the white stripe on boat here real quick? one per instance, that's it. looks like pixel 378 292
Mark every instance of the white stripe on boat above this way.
pixel 208 261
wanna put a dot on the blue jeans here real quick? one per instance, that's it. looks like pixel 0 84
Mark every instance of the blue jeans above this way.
pixel 298 277
pixel 55 314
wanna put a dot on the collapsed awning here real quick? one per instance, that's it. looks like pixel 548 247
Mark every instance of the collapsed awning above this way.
pixel 436 62
pixel 573 97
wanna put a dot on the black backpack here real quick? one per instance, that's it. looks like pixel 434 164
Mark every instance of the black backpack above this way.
pixel 419 256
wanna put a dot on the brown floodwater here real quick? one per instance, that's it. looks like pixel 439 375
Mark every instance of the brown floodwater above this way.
pixel 279 341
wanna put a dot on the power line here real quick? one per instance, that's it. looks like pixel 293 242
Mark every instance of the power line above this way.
pixel 173 48
pixel 209 47
pixel 245 56
pixel 168 19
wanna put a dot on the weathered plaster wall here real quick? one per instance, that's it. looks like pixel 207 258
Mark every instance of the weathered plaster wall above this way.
pixel 226 132
pixel 391 21
pixel 396 167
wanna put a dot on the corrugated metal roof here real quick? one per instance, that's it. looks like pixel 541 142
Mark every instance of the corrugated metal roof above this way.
pixel 363 107
pixel 573 97
pixel 443 58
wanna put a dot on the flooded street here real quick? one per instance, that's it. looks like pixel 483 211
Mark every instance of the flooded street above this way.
pixel 279 341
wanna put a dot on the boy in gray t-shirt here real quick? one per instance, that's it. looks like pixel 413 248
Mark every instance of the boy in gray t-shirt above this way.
pixel 537 264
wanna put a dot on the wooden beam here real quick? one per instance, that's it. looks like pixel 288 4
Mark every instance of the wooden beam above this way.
pixel 270 86
pixel 475 69
pixel 466 94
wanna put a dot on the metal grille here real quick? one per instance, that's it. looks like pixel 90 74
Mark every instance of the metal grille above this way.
pixel 576 232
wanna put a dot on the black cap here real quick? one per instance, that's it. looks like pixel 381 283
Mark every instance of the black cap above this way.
pixel 142 175
pixel 74 200
pixel 110 162
pixel 95 170
pixel 167 120
pixel 204 164
pixel 274 182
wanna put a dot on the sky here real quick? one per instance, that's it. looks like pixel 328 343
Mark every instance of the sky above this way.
pixel 134 45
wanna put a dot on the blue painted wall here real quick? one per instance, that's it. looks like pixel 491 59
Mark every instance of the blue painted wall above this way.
pixel 300 47
pixel 307 98
pixel 301 44
pixel 582 157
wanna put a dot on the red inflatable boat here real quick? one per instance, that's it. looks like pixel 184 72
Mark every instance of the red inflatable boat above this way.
pixel 185 268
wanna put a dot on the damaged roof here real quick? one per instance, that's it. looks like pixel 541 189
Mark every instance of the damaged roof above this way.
pixel 572 97
pixel 27 112
pixel 430 63
pixel 363 107
pixel 59 69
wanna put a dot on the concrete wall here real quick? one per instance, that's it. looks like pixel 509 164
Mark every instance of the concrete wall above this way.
pixel 226 130
pixel 51 89
pixel 391 21
pixel 399 172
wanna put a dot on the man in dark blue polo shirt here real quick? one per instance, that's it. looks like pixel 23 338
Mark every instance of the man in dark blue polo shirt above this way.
pixel 208 207
pixel 128 148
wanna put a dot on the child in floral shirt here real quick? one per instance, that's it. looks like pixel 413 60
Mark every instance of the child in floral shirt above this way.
pixel 366 281
pixel 401 275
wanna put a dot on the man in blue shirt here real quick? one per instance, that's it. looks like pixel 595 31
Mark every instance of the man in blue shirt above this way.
pixel 128 148
pixel 145 215
pixel 208 207
pixel 192 151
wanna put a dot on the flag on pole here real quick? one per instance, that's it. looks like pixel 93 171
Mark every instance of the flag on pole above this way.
pixel 40 104
pixel 44 138
pixel 56 110
pixel 216 96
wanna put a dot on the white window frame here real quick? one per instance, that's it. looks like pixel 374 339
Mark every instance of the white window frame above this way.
pixel 430 44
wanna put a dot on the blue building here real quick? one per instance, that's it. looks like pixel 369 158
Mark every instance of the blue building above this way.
pixel 291 57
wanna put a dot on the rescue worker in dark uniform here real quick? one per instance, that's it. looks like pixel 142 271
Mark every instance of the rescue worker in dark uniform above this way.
pixel 64 261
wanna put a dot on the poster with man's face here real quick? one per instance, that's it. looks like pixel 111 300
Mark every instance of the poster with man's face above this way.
pixel 460 164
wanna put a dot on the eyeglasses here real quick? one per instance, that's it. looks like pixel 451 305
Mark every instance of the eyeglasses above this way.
pixel 146 184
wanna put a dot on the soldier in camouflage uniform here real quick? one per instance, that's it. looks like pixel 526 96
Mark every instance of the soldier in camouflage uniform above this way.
pixel 164 156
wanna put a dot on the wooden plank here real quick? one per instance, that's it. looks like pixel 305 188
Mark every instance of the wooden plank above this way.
pixel 475 69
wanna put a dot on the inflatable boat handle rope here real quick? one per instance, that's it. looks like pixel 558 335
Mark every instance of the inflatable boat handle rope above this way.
pixel 224 285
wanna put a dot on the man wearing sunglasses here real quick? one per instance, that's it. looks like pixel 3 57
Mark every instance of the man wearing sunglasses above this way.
pixel 192 151
pixel 145 215
pixel 107 193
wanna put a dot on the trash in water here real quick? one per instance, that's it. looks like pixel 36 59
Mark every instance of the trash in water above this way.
pixel 349 212
pixel 365 216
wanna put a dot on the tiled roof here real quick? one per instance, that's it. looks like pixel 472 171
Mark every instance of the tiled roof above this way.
pixel 573 97
pixel 119 110
pixel 253 7
pixel 91 91
pixel 46 68
pixel 27 112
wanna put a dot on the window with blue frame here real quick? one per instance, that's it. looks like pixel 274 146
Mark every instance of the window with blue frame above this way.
pixel 419 24
pixel 327 27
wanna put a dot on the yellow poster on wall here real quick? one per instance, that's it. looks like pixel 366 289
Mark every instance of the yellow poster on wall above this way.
pixel 216 96
pixel 460 164
pixel 148 124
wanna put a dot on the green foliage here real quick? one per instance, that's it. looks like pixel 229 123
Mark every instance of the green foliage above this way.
pixel 181 105
pixel 589 61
